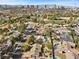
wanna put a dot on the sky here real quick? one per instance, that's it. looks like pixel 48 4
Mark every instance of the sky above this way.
pixel 41 2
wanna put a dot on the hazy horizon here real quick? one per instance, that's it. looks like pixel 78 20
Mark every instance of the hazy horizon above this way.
pixel 41 2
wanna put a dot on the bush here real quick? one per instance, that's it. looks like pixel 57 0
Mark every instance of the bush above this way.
pixel 25 47
pixel 48 45
pixel 31 39
pixel 21 27
pixel 77 41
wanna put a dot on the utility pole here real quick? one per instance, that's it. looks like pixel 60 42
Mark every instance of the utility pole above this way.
pixel 53 55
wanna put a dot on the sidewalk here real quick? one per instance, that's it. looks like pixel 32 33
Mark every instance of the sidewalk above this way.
pixel 75 51
pixel 69 55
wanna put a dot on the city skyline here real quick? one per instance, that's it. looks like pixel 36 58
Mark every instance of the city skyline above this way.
pixel 40 2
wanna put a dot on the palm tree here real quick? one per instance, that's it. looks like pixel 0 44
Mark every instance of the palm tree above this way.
pixel 52 45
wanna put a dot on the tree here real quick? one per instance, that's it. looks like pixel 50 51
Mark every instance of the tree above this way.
pixel 77 41
pixel 45 16
pixel 20 27
pixel 46 32
pixel 14 39
pixel 72 33
pixel 69 21
pixel 55 17
pixel 2 21
pixel 1 37
pixel 31 39
pixel 34 19
pixel 1 31
pixel 48 44
pixel 25 46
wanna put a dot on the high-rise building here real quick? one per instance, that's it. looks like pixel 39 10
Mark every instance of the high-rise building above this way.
pixel 27 6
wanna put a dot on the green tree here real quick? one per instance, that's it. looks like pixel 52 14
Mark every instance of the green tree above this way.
pixel 45 16
pixel 46 32
pixel 77 42
pixel 34 19
pixel 21 27
pixel 31 39
pixel 14 39
pixel 72 33
pixel 48 44
pixel 1 31
pixel 3 21
pixel 25 46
